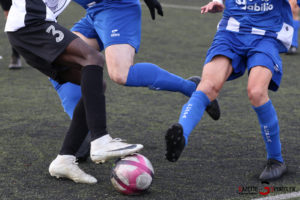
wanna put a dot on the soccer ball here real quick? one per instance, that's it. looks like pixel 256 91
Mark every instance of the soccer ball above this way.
pixel 132 175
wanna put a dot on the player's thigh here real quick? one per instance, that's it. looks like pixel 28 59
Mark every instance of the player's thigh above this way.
pixel 119 58
pixel 215 73
pixel 79 54
pixel 258 83
pixel 259 77
pixel 85 29
pixel 92 42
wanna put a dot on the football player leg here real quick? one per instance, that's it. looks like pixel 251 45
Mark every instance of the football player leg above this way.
pixel 89 114
pixel 214 75
pixel 259 79
pixel 119 59
pixel 69 95
pixel 86 66
pixel 15 62
pixel 120 48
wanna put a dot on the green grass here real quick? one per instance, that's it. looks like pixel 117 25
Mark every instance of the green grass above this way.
pixel 221 155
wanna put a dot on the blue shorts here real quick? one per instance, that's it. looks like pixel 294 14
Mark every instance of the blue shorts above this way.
pixel 114 23
pixel 247 51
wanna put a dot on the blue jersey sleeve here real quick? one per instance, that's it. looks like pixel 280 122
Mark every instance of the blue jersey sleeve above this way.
pixel 298 2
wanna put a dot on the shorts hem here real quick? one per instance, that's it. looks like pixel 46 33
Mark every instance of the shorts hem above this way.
pixel 136 47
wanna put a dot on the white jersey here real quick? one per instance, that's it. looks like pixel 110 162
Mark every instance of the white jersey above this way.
pixel 24 12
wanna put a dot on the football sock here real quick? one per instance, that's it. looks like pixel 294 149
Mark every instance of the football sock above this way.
pixel 192 112
pixel 156 78
pixel 69 95
pixel 77 131
pixel 295 36
pixel 268 121
pixel 94 100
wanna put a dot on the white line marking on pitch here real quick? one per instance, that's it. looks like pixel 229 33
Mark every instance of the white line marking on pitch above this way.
pixel 281 196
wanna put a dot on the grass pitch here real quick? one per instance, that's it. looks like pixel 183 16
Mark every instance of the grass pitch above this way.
pixel 221 156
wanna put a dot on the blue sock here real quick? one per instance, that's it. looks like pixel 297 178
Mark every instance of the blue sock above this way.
pixel 268 121
pixel 69 95
pixel 295 36
pixel 156 78
pixel 192 112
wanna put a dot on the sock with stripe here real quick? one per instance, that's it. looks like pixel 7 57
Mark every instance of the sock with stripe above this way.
pixel 268 121
pixel 192 112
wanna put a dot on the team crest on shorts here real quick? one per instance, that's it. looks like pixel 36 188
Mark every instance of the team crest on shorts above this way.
pixel 56 5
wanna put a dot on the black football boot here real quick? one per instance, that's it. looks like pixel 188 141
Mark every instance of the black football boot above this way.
pixel 273 170
pixel 175 142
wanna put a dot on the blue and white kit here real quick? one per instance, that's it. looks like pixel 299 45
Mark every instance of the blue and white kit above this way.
pixel 252 33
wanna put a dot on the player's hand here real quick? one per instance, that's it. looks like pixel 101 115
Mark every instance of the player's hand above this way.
pixel 212 7
pixel 152 5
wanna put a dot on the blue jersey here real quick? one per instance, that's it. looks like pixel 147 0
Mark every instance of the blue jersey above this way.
pixel 262 17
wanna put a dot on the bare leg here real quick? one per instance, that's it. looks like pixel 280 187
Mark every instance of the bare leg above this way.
pixel 214 75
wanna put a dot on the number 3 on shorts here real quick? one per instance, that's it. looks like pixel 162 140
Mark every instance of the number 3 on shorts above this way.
pixel 51 29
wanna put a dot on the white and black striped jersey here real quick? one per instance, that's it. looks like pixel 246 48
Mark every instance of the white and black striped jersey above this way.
pixel 24 12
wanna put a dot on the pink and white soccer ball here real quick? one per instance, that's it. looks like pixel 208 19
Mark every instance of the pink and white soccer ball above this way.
pixel 132 175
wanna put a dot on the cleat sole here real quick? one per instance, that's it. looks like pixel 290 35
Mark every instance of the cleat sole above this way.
pixel 175 142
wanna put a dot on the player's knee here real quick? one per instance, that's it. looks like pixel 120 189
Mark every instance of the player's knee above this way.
pixel 95 58
pixel 210 88
pixel 256 94
pixel 118 71
pixel 118 77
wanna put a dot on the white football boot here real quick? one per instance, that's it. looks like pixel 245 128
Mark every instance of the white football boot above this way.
pixel 65 166
pixel 105 148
